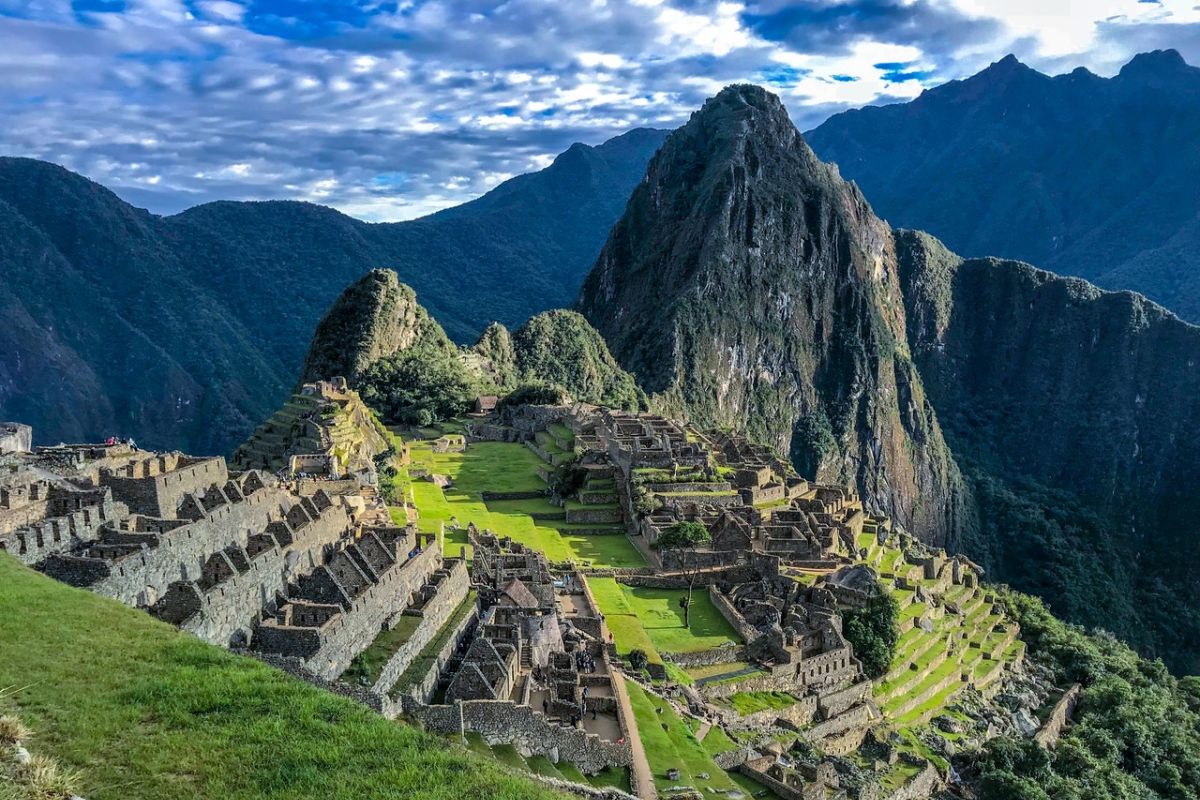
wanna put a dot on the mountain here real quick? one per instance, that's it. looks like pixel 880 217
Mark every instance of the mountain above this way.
pixel 1046 427
pixel 190 329
pixel 1082 175
pixel 383 341
pixel 1075 414
pixel 748 285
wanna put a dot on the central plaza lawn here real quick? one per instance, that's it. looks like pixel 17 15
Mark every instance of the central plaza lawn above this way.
pixel 651 619
pixel 503 467
pixel 146 712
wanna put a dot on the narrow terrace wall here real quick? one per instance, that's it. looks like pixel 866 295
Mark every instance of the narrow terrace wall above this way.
pixel 528 730
pixel 435 614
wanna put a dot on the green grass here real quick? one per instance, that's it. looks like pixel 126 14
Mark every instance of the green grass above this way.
pixel 368 664
pixel 750 702
pixel 147 712
pixel 636 616
pixel 710 670
pixel 675 746
pixel 506 467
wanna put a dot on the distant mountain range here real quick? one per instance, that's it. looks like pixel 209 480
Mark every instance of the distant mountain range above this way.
pixel 188 330
pixel 1079 174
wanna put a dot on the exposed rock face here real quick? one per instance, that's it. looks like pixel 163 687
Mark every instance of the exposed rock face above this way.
pixel 1048 381
pixel 748 285
pixel 375 317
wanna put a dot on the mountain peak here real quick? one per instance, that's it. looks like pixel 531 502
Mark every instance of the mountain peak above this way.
pixel 1157 63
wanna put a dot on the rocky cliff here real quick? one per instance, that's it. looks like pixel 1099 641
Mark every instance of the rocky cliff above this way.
pixel 1076 413
pixel 747 285
pixel 1077 173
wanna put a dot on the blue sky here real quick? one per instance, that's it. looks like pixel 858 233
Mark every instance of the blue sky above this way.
pixel 389 109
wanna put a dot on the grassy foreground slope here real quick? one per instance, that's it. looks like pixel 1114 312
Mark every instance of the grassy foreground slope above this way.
pixel 147 712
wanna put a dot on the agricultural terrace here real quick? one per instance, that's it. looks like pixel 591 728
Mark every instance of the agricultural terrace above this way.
pixel 505 467
pixel 671 742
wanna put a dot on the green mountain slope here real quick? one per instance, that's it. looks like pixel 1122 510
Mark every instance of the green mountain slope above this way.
pixel 1076 414
pixel 1079 174
pixel 188 330
pixel 150 713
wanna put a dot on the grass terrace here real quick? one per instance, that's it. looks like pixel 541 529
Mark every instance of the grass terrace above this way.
pixel 148 712
pixel 506 467
pixel 670 742
pixel 651 619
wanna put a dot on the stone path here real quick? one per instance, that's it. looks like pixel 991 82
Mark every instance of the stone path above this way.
pixel 703 730
pixel 643 778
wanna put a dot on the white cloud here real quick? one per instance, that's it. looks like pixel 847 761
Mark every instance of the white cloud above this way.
pixel 414 110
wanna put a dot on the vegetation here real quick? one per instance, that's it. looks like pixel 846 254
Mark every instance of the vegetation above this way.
pixel 873 630
pixel 419 387
pixel 1136 730
pixel 506 467
pixel 561 348
pixel 652 619
pixel 683 538
pixel 150 712
pixel 239 288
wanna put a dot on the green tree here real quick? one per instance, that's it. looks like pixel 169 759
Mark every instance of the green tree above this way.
pixel 683 538
pixel 873 630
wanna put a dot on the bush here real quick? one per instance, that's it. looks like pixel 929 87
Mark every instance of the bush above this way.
pixel 638 660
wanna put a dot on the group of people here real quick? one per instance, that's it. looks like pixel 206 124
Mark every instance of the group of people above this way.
pixel 584 662
pixel 113 440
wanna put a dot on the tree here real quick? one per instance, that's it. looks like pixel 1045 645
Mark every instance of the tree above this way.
pixel 873 630
pixel 638 659
pixel 683 538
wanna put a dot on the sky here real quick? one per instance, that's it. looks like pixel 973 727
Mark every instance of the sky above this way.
pixel 392 109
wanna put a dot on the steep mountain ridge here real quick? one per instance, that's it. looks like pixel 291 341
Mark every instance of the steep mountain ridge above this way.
pixel 190 329
pixel 1044 382
pixel 749 286
pixel 1080 174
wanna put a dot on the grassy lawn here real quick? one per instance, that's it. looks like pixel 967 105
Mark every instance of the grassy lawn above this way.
pixel 658 612
pixel 669 742
pixel 710 670
pixel 147 712
pixel 506 467
pixel 750 702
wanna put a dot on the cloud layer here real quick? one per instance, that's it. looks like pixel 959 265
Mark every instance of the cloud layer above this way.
pixel 389 109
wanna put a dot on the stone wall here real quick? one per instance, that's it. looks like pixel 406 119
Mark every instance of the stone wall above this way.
pixel 723 654
pixel 423 689
pixel 140 578
pixel 798 715
pixel 15 438
pixel 160 495
pixel 434 614
pixel 725 608
pixel 42 538
pixel 228 611
pixel 526 729
pixel 1049 733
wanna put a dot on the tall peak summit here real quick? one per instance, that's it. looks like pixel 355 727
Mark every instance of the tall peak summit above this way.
pixel 749 286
